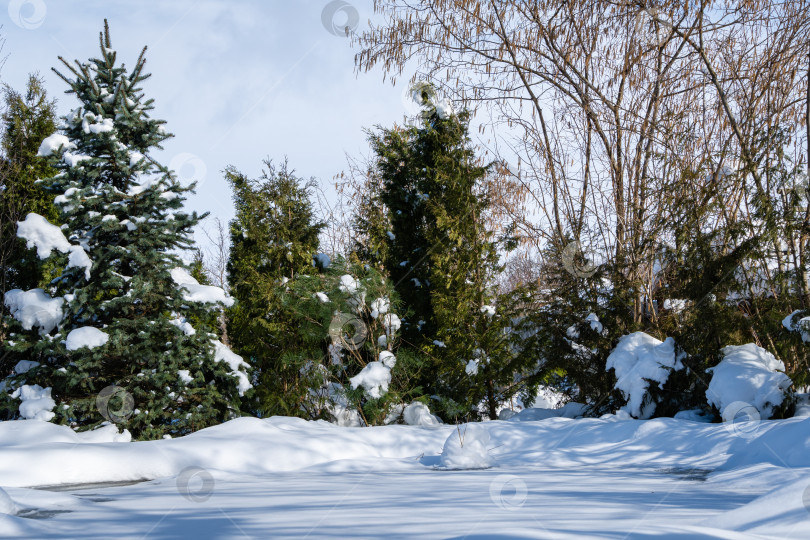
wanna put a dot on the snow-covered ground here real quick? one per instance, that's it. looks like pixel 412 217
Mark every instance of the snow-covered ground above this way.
pixel 287 478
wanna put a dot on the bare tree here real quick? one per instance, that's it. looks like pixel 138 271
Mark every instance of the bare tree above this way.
pixel 215 264
pixel 619 119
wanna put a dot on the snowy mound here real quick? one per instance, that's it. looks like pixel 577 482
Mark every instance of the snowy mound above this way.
pixel 467 448
pixel 7 505
pixel 748 375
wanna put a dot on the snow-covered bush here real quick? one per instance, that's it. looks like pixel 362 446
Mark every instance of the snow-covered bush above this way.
pixel 751 375
pixel 640 360
pixel 349 338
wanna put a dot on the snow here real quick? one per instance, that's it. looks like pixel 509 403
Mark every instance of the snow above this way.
pixel 418 414
pixel 184 375
pixel 802 326
pixel 391 323
pixel 444 108
pixel 105 125
pixel 388 359
pixel 374 378
pixel 24 366
pixel 593 320
pixel 467 447
pixel 638 359
pixel 349 284
pixel 184 326
pixel 72 160
pixel 194 292
pixel 472 368
pixel 35 308
pixel 53 143
pixel 338 406
pixel 40 233
pixel 78 258
pixel 750 375
pixel 569 410
pixel 85 336
pixel 488 310
pixel 321 297
pixel 285 477
pixel 223 354
pixel 7 505
pixel 380 306
pixel 322 260
pixel 35 402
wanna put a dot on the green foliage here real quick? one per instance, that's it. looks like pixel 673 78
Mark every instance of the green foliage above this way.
pixel 346 319
pixel 28 119
pixel 274 237
pixel 444 262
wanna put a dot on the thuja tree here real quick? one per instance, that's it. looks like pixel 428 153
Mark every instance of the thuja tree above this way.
pixel 120 311
pixel 349 351
pixel 274 238
pixel 29 117
pixel 444 260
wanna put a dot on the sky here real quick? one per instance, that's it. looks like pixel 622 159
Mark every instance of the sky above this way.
pixel 236 81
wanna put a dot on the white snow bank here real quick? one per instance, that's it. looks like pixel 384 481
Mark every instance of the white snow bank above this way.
pixel 32 453
pixel 783 512
pixel 195 292
pixel 35 308
pixel 36 402
pixel 467 448
pixel 374 378
pixel 85 336
pixel 7 505
pixel 748 374
pixel 53 143
pixel 223 354
pixel 638 359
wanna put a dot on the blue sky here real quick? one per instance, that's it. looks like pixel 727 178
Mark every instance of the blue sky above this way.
pixel 237 81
